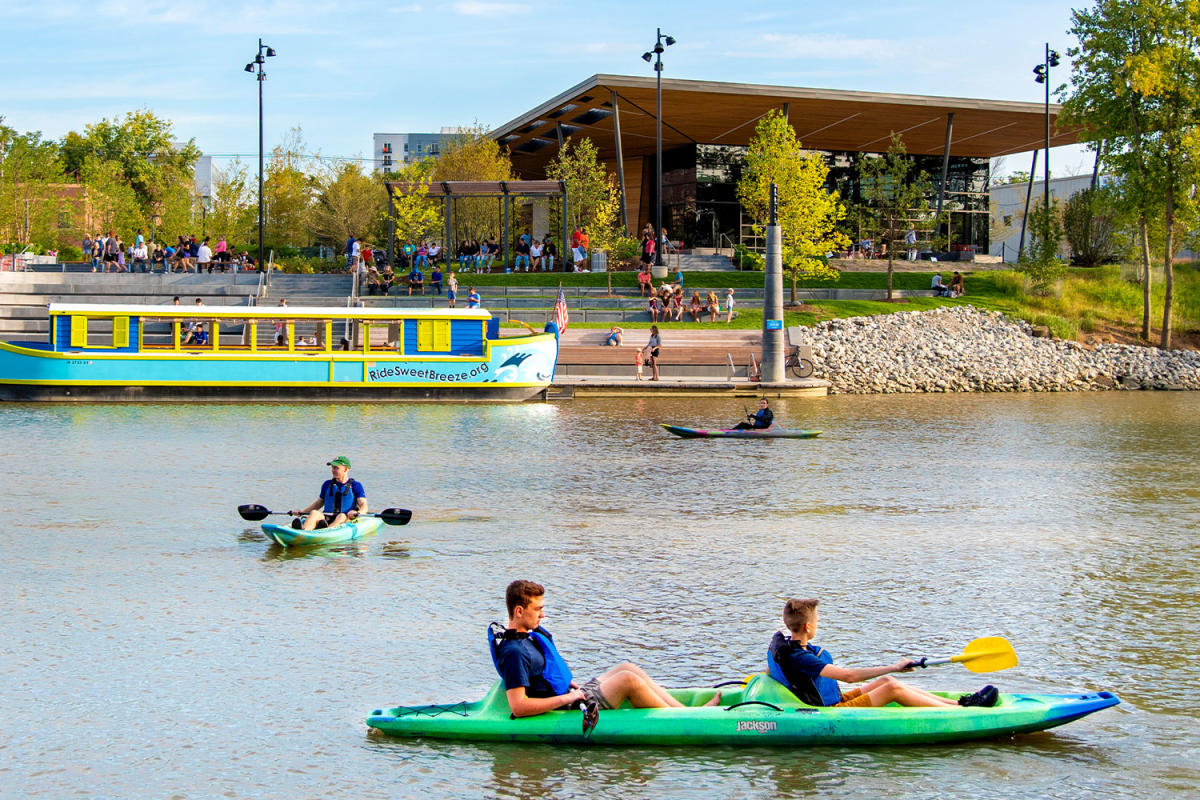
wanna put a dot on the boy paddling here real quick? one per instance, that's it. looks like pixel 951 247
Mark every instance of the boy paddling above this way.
pixel 536 680
pixel 812 676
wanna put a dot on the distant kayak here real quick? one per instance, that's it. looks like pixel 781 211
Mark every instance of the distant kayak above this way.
pixel 288 536
pixel 760 713
pixel 765 433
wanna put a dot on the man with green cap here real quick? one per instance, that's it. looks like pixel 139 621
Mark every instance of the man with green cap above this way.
pixel 342 498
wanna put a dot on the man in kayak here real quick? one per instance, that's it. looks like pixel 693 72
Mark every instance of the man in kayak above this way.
pixel 760 420
pixel 812 676
pixel 537 680
pixel 342 499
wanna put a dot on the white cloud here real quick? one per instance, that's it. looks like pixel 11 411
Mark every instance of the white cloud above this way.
pixel 479 8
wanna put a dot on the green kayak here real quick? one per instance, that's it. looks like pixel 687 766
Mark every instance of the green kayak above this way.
pixel 760 712
pixel 288 536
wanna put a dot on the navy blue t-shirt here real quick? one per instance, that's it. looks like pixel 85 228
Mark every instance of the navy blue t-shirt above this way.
pixel 521 663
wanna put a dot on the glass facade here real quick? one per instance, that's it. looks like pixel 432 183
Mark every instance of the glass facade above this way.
pixel 701 206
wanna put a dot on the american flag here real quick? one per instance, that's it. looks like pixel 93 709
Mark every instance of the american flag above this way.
pixel 560 311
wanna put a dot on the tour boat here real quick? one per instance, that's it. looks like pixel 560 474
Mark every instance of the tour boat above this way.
pixel 104 352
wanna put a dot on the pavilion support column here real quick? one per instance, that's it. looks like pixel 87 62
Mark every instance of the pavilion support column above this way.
pixel 1028 197
pixel 391 229
pixel 446 244
pixel 787 108
pixel 945 164
pixel 566 231
pixel 620 163
pixel 504 231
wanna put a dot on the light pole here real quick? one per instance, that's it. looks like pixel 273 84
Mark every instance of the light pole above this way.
pixel 256 66
pixel 1042 75
pixel 660 43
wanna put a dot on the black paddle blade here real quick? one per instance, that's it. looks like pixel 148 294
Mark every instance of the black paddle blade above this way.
pixel 395 516
pixel 253 512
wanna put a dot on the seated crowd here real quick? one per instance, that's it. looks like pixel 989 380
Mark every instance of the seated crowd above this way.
pixel 109 253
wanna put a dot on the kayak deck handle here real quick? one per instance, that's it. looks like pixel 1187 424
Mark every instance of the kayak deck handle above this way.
pixel 729 683
pixel 753 703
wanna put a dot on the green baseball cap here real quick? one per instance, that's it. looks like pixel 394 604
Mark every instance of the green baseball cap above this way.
pixel 340 461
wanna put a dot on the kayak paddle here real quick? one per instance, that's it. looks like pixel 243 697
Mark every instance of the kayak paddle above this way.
pixel 392 516
pixel 989 654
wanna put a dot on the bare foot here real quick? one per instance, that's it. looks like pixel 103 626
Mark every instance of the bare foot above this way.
pixel 716 699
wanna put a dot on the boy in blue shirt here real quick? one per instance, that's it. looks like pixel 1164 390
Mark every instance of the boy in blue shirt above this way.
pixel 529 684
pixel 809 672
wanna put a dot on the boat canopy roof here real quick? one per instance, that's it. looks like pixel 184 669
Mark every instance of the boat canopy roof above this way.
pixel 266 312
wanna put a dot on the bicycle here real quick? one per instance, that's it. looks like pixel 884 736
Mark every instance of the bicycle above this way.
pixel 800 367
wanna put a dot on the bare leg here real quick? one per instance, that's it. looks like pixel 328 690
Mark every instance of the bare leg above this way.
pixel 887 690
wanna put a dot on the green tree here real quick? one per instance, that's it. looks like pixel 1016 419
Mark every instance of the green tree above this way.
pixel 472 155
pixel 1090 227
pixel 31 197
pixel 893 196
pixel 143 149
pixel 1135 84
pixel 348 201
pixel 1040 261
pixel 416 217
pixel 234 211
pixel 288 192
pixel 593 196
pixel 808 213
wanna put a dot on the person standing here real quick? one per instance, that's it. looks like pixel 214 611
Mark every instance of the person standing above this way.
pixel 729 306
pixel 651 351
pixel 451 289
pixel 910 242
pixel 351 253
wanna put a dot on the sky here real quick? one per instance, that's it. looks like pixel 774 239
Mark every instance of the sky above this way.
pixel 346 69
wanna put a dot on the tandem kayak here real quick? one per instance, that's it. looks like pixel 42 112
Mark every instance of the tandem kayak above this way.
pixel 765 433
pixel 288 536
pixel 761 713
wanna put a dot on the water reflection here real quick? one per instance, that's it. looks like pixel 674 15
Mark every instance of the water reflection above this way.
pixel 1064 523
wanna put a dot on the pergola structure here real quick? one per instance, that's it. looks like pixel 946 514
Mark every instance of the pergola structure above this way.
pixel 503 191
pixel 617 113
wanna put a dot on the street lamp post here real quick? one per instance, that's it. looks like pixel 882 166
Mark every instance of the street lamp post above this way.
pixel 660 43
pixel 1042 75
pixel 256 67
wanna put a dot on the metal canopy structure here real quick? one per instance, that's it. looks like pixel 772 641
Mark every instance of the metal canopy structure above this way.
pixel 504 191
pixel 617 113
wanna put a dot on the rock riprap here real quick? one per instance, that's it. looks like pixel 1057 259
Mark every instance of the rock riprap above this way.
pixel 965 349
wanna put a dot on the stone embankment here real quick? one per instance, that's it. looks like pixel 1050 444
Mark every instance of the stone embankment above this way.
pixel 964 349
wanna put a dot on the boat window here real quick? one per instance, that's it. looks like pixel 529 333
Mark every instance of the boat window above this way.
pixel 99 332
pixel 384 336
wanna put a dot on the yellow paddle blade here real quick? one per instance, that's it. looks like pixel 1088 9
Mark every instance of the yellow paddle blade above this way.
pixel 989 654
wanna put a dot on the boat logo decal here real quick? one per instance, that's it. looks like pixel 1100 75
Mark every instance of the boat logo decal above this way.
pixel 755 725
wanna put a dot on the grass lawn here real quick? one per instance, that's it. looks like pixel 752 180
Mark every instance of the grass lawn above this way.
pixel 1087 302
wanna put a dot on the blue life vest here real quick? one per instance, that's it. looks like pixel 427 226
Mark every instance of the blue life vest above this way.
pixel 556 672
pixel 807 689
pixel 339 498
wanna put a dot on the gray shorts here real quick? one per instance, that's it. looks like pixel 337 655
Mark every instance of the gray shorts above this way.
pixel 591 690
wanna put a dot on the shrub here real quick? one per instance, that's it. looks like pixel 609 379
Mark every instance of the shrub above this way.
pixel 70 252
pixel 1059 327
pixel 625 247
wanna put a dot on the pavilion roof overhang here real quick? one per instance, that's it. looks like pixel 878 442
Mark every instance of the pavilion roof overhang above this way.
pixel 444 189
pixel 708 112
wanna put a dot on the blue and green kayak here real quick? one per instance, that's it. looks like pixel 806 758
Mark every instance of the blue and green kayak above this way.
pixel 288 536
pixel 761 712
pixel 764 433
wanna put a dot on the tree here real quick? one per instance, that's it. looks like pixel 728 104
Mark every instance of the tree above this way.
pixel 234 212
pixel 593 198
pixel 143 150
pixel 1040 261
pixel 1090 226
pixel 893 196
pixel 415 216
pixel 287 194
pixel 348 202
pixel 30 183
pixel 472 155
pixel 808 213
pixel 1135 84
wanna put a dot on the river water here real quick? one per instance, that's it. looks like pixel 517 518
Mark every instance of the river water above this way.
pixel 152 645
